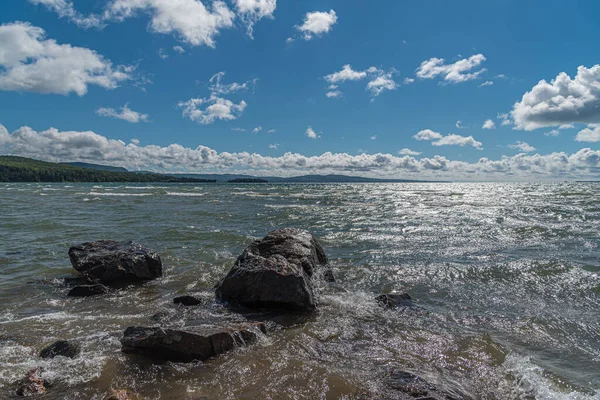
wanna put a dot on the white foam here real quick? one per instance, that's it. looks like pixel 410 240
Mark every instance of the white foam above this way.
pixel 119 194
pixel 185 194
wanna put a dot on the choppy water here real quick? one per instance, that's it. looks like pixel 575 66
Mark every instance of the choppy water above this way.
pixel 506 277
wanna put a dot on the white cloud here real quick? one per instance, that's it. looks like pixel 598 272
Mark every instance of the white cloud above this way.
pixel 179 49
pixel 190 20
pixel 272 131
pixel 409 152
pixel 374 137
pixel 216 108
pixel 457 140
pixel 567 126
pixel 346 74
pixel 408 81
pixel 317 23
pixel 55 145
pixel 562 101
pixel 524 147
pixel 589 134
pixel 450 140
pixel 486 83
pixel 135 141
pixel 311 133
pixel 382 81
pixel 459 125
pixel 65 9
pixel 274 146
pixel 257 129
pixel 457 72
pixel 489 124
pixel 553 132
pixel 125 114
pixel 334 94
pixel 162 54
pixel 251 11
pixel 505 118
pixel 31 63
pixel 428 134
pixel 238 129
pixel 216 86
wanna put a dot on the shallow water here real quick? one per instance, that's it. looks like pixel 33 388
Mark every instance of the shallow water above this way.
pixel 506 278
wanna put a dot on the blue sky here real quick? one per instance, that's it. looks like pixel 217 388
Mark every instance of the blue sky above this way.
pixel 74 66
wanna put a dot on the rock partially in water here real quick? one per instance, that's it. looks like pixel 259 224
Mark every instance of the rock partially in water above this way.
pixel 121 394
pixel 276 272
pixel 393 300
pixel 187 300
pixel 88 290
pixel 417 388
pixel 188 345
pixel 33 384
pixel 109 261
pixel 61 348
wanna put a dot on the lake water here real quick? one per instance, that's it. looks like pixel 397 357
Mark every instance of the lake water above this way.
pixel 505 277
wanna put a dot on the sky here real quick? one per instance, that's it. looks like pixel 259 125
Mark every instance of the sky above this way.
pixel 464 90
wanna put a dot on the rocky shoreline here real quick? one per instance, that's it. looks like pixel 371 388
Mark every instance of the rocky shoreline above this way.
pixel 274 278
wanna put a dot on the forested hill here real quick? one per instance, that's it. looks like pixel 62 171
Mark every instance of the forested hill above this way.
pixel 21 169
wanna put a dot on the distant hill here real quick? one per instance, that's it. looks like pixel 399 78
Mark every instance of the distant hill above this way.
pixel 21 169
pixel 298 179
pixel 248 180
pixel 97 167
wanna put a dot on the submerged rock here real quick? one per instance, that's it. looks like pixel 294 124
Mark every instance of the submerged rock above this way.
pixel 187 300
pixel 109 261
pixel 60 348
pixel 32 384
pixel 277 272
pixel 88 290
pixel 393 300
pixel 121 394
pixel 188 345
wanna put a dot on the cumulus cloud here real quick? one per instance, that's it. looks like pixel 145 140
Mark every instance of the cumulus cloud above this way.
pixel 409 152
pixel 334 94
pixel 317 23
pixel 457 72
pixel 274 146
pixel 65 9
pixel 162 54
pixel 216 108
pixel 486 83
pixel 216 86
pixel 179 49
pixel 346 74
pixel 524 147
pixel 450 140
pixel 553 132
pixel 408 81
pixel 489 124
pixel 55 145
pixel 381 81
pixel 459 125
pixel 590 134
pixel 505 118
pixel 126 114
pixel 251 11
pixel 311 133
pixel 31 63
pixel 190 20
pixel 563 100
pixel 257 129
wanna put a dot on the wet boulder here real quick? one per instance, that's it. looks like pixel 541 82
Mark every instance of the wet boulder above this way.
pixel 33 384
pixel 87 290
pixel 415 387
pixel 277 272
pixel 187 301
pixel 394 300
pixel 188 345
pixel 60 348
pixel 109 261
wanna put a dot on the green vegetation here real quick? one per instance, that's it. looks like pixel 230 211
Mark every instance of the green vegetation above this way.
pixel 21 169
pixel 248 180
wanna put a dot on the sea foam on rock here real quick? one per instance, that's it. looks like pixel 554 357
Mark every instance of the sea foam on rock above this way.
pixel 277 272
pixel 109 261
pixel 190 344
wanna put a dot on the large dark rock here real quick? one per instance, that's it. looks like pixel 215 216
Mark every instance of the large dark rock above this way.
pixel 277 272
pixel 33 384
pixel 108 261
pixel 393 300
pixel 187 300
pixel 60 348
pixel 88 290
pixel 188 345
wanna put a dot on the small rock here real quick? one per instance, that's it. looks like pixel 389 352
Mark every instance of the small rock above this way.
pixel 393 300
pixel 32 384
pixel 88 290
pixel 188 345
pixel 60 348
pixel 108 261
pixel 187 300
